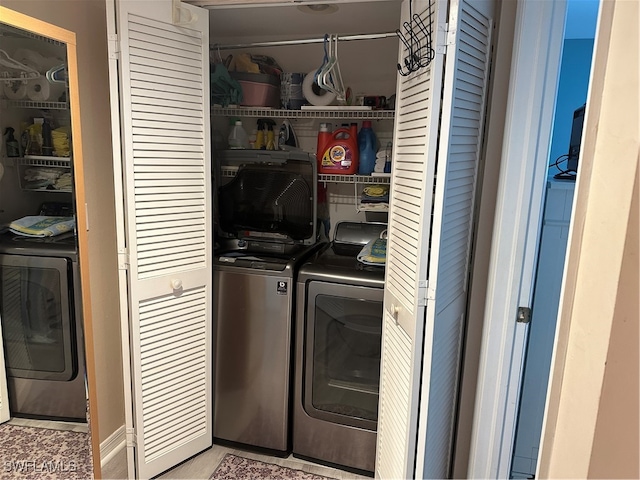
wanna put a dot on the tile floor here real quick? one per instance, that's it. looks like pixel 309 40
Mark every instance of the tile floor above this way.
pixel 203 465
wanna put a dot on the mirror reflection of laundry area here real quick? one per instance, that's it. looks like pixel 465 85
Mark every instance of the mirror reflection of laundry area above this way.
pixel 40 295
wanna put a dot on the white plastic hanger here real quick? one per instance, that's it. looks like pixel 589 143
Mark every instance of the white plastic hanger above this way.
pixel 20 70
pixel 329 76
pixel 319 76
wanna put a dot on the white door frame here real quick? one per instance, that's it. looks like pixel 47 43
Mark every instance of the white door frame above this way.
pixel 535 67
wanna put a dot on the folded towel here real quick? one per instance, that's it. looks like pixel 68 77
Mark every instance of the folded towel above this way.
pixel 42 226
pixel 375 194
pixel 64 182
pixel 31 174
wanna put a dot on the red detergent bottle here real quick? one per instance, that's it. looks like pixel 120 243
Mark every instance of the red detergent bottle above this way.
pixel 338 151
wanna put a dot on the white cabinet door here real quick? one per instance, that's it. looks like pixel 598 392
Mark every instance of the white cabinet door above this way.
pixel 437 145
pixel 163 87
pixel 4 393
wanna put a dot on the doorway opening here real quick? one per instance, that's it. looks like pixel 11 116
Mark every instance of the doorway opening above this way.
pixel 571 95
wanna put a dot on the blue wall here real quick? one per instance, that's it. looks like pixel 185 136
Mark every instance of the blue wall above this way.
pixel 572 93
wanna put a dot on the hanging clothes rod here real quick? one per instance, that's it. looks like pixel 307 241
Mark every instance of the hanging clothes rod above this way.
pixel 369 36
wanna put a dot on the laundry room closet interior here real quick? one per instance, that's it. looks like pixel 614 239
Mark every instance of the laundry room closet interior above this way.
pixel 366 58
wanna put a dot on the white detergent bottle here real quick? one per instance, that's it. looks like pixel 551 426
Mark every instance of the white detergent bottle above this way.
pixel 238 137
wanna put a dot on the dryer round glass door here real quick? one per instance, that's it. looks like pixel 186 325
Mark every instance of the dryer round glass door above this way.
pixel 344 333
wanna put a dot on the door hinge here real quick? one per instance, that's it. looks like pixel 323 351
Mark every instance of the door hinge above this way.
pixel 524 315
pixel 123 259
pixel 425 293
pixel 445 36
pixel 131 439
pixel 114 46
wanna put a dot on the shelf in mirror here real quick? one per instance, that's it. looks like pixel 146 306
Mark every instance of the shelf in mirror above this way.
pixel 39 173
pixel 38 105
pixel 10 31
pixel 44 161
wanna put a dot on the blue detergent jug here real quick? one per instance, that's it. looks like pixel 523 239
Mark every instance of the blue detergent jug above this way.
pixel 367 146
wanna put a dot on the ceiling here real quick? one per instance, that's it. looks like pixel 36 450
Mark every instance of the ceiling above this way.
pixel 268 23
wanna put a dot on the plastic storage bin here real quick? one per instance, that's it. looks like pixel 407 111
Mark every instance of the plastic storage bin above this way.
pixel 258 89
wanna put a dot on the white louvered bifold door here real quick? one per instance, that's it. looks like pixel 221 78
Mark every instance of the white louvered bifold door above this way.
pixel 459 152
pixel 437 143
pixel 414 145
pixel 164 93
pixel 4 393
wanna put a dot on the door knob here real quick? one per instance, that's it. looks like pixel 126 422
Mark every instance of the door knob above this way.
pixel 176 284
pixel 394 310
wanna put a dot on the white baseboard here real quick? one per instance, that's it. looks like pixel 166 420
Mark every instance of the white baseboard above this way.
pixel 112 445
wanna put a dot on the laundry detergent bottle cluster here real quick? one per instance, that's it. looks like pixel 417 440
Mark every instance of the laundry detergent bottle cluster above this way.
pixel 337 150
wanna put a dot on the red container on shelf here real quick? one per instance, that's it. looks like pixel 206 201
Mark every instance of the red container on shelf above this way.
pixel 337 151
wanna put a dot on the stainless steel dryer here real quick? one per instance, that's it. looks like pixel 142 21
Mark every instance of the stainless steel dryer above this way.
pixel 266 216
pixel 338 347
pixel 41 316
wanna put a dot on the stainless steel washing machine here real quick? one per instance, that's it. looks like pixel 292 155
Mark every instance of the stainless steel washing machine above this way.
pixel 41 317
pixel 338 351
pixel 267 227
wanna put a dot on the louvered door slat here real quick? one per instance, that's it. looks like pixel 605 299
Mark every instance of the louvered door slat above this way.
pixel 163 107
pixel 167 157
pixel 166 132
pixel 142 95
pixel 154 85
pixel 143 32
pixel 161 48
pixel 168 244
pixel 162 375
pixel 164 90
pixel 155 237
pixel 191 67
pixel 183 119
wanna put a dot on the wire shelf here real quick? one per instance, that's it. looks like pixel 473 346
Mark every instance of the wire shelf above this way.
pixel 44 161
pixel 328 114
pixel 228 172
pixel 353 179
pixel 40 105
pixel 49 169
pixel 9 31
